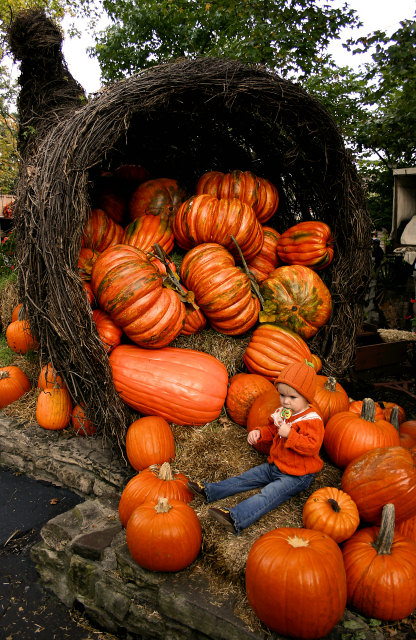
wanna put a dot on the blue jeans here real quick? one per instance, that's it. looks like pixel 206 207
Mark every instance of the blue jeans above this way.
pixel 277 487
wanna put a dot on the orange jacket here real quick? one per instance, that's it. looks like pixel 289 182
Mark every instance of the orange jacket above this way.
pixel 297 454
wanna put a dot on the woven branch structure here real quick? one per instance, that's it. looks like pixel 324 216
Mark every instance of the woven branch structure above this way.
pixel 180 120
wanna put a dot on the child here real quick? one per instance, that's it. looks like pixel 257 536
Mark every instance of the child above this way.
pixel 293 460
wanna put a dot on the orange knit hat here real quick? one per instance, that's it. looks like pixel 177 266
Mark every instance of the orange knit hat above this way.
pixel 300 376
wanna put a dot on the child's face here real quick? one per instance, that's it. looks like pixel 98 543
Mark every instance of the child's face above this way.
pixel 291 399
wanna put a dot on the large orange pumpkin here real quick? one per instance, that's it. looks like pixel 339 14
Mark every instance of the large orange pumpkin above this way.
pixel 272 348
pixel 243 390
pixel 348 435
pixel 296 583
pixel 131 290
pixel 257 192
pixel 205 219
pixel 267 259
pixel 331 511
pixel 150 484
pixel 380 565
pixel 295 297
pixel 149 440
pixel 14 383
pixel 100 231
pixel 165 536
pixel 379 476
pixel 308 243
pixel 258 415
pixel 222 290
pixel 330 397
pixel 159 196
pixel 184 386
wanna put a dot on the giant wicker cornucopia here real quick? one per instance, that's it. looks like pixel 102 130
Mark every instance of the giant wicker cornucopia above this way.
pixel 178 120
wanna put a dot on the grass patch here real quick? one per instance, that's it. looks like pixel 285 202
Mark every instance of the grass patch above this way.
pixel 6 354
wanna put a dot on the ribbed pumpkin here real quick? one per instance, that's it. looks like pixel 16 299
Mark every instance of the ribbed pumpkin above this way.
pixel 150 484
pixel 379 476
pixel 149 440
pixel 272 348
pixel 101 232
pixel 258 415
pixel 14 383
pixel 81 424
pixel 296 583
pixel 108 331
pixel 53 408
pixel 243 390
pixel 86 259
pixel 131 290
pixel 49 378
pixel 380 565
pixel 331 511
pixel 89 293
pixel 165 536
pixel 295 297
pixel 330 397
pixel 222 290
pixel 348 435
pixel 19 337
pixel 148 230
pixel 267 259
pixel 159 196
pixel 184 386
pixel 257 192
pixel 308 243
pixel 194 321
pixel 205 219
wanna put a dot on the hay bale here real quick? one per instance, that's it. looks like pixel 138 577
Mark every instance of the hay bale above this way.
pixel 180 120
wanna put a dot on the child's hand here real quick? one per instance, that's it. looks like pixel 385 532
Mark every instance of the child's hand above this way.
pixel 253 436
pixel 284 430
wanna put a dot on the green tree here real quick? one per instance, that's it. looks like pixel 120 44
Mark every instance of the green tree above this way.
pixel 8 133
pixel 286 36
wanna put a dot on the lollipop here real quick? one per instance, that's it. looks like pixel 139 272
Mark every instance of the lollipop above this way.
pixel 286 413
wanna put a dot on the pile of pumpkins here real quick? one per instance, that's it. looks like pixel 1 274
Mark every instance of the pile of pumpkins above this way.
pixel 358 541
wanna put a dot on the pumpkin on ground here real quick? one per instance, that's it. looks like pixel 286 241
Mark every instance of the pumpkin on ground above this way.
pixel 243 390
pixel 308 243
pixel 331 511
pixel 150 484
pixel 184 386
pixel 295 582
pixel 132 291
pixel 330 397
pixel 296 297
pixel 14 383
pixel 166 536
pixel 19 337
pixel 257 192
pixel 205 219
pixel 149 441
pixel 159 196
pixel 379 476
pixel 222 290
pixel 271 348
pixel 53 408
pixel 380 565
pixel 348 435
pixel 81 424
pixel 267 259
pixel 101 232
pixel 259 413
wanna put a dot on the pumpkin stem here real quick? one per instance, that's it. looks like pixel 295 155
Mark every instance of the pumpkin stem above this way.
pixel 165 472
pixel 334 504
pixel 163 506
pixel 330 384
pixel 394 418
pixel 298 541
pixel 171 280
pixel 253 281
pixel 368 410
pixel 4 374
pixel 384 540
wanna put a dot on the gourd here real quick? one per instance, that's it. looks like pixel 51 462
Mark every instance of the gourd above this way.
pixel 331 511
pixel 14 383
pixel 308 243
pixel 149 441
pixel 296 583
pixel 243 390
pixel 165 536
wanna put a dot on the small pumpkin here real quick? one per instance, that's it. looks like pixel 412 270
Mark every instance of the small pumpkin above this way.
pixel 331 511
pixel 108 331
pixel 380 565
pixel 356 406
pixel 387 408
pixel 309 243
pixel 20 338
pixel 159 196
pixel 267 259
pixel 53 408
pixel 258 415
pixel 150 484
pixel 81 424
pixel 330 397
pixel 282 566
pixel 14 383
pixel 149 440
pixel 166 536
pixel 244 388
pixel 407 433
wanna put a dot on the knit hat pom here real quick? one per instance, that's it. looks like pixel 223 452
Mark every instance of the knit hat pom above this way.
pixel 301 377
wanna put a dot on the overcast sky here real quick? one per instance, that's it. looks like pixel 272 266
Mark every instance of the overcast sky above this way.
pixel 375 14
